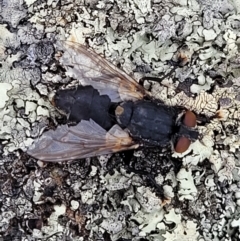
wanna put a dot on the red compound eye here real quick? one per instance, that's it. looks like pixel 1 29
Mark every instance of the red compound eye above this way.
pixel 190 119
pixel 182 144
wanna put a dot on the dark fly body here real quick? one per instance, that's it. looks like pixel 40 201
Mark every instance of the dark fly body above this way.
pixel 112 113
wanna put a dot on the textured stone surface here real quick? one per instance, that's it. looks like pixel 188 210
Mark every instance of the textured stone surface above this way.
pixel 193 196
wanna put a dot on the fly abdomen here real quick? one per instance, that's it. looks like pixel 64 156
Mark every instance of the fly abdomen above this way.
pixel 85 103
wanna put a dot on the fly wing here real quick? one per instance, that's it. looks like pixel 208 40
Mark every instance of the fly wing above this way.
pixel 87 139
pixel 91 69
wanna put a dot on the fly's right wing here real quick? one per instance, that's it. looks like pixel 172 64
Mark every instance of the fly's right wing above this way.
pixel 91 69
pixel 87 139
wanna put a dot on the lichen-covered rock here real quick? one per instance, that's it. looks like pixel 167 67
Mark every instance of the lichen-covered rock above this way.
pixel 151 194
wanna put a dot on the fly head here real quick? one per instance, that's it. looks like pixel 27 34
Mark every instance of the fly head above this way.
pixel 186 132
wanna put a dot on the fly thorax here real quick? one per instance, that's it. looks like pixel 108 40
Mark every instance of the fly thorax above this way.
pixel 123 113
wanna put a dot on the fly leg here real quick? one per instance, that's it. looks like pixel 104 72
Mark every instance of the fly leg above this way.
pixel 157 79
pixel 203 119
pixel 179 60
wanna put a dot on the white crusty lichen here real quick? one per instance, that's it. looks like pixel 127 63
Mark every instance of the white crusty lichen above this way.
pixel 114 223
pixel 118 181
pixel 187 188
pixel 165 28
pixel 143 206
pixel 204 83
pixel 5 218
pixel 13 12
pixel 20 105
pixel 151 212
pixel 187 231
pixel 140 36
pixel 228 166
pixel 4 88
pixel 203 103
pixel 53 225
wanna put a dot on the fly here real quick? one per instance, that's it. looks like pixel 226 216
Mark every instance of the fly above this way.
pixel 112 111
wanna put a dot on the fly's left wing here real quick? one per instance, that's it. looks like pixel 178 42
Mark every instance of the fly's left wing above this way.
pixel 87 139
pixel 91 69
